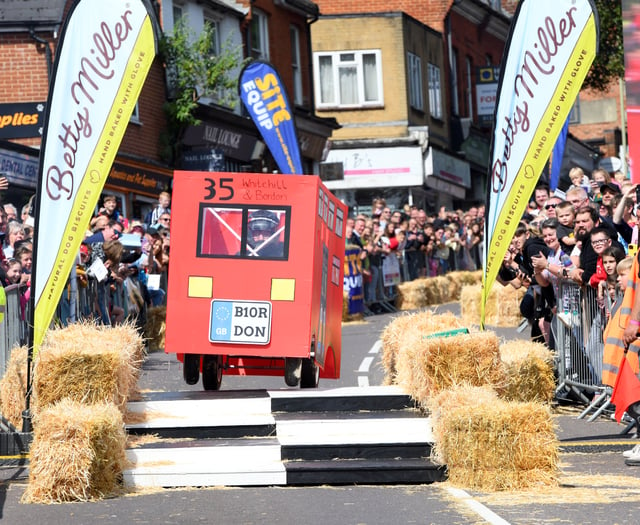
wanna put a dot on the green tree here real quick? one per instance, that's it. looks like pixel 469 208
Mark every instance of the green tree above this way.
pixel 608 65
pixel 194 71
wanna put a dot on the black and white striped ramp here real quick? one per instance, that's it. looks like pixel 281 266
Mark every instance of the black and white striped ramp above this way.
pixel 282 437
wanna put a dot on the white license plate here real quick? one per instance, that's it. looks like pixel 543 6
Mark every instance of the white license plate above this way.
pixel 240 322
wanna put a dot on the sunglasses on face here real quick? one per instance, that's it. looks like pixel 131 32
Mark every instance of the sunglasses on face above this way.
pixel 549 206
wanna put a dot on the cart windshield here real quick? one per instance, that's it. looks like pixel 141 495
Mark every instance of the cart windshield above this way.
pixel 244 232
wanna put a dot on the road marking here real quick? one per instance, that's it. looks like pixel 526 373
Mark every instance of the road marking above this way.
pixel 365 365
pixel 485 513
pixel 377 346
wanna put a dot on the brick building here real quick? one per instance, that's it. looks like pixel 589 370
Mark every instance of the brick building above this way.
pixel 29 33
pixel 275 31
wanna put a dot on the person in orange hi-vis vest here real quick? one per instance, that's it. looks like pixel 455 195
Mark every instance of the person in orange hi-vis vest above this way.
pixel 622 329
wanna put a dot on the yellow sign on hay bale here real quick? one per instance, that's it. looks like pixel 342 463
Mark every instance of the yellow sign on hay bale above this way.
pixel 77 453
pixel 88 363
pixel 155 327
pixel 502 308
pixel 426 365
pixel 13 386
pixel 407 326
pixel 528 370
pixel 498 445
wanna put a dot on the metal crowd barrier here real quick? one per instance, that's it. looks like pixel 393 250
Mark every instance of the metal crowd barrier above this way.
pixel 77 303
pixel 579 324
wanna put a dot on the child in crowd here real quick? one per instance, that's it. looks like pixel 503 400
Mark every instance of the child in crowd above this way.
pixel 565 215
pixel 607 288
pixel 579 179
pixel 109 209
pixel 12 272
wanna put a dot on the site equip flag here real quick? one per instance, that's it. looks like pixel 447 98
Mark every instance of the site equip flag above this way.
pixel 103 56
pixel 626 390
pixel 551 46
pixel 264 96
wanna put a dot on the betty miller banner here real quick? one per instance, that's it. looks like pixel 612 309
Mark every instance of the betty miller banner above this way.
pixel 104 54
pixel 264 96
pixel 551 46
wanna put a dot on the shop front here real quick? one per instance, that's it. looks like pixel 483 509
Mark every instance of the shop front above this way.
pixel 136 186
pixel 401 175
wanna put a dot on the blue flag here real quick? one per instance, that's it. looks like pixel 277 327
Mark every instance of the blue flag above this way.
pixel 558 153
pixel 264 96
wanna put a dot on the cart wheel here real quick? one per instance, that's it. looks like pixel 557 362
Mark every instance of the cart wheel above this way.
pixel 191 368
pixel 211 371
pixel 310 376
pixel 292 370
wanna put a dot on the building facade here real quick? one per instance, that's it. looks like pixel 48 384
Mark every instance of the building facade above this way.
pixel 274 31
pixel 29 34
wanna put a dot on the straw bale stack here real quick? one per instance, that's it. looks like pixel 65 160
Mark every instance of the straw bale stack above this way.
pixel 490 444
pixel 411 326
pixel 428 291
pixel 13 386
pixel 458 280
pixel 428 365
pixel 88 363
pixel 154 330
pixel 502 308
pixel 529 372
pixel 77 453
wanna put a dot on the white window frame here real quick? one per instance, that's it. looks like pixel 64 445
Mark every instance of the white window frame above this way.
pixel 416 98
pixel 135 115
pixel 259 21
pixel 353 59
pixel 216 45
pixel 435 91
pixel 296 66
pixel 177 12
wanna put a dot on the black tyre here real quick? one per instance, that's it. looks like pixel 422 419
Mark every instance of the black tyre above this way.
pixel 310 374
pixel 191 368
pixel 211 372
pixel 292 370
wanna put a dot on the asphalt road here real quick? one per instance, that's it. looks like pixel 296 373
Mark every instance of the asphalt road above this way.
pixel 596 488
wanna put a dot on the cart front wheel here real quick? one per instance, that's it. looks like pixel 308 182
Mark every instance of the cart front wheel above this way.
pixel 310 374
pixel 211 371
pixel 191 368
pixel 292 370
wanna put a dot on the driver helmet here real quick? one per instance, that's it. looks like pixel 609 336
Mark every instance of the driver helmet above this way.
pixel 263 221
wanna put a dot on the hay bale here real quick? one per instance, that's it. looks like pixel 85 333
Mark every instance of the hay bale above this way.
pixel 490 444
pixel 502 307
pixel 429 291
pixel 458 280
pixel 77 453
pixel 13 386
pixel 155 327
pixel 416 325
pixel 529 372
pixel 88 363
pixel 428 365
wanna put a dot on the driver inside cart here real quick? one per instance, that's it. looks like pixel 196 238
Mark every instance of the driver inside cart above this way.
pixel 263 235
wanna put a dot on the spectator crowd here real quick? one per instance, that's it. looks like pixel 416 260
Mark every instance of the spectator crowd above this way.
pixel 122 265
pixel 399 245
